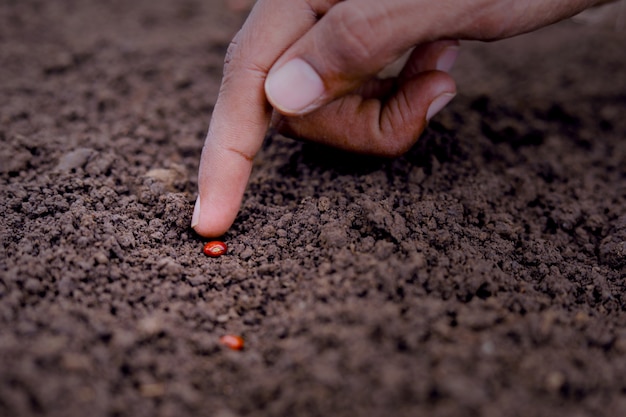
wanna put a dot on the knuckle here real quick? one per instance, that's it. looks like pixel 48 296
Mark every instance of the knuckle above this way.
pixel 396 147
pixel 361 35
pixel 351 30
pixel 396 140
pixel 239 63
pixel 321 6
pixel 231 52
pixel 393 145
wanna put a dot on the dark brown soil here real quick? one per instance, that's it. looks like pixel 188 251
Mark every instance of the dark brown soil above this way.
pixel 483 274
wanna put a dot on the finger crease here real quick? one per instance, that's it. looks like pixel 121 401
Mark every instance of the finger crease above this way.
pixel 241 153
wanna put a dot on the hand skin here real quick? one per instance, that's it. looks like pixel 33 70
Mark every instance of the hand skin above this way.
pixel 309 67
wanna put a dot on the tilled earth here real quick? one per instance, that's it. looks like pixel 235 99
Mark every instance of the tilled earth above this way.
pixel 482 274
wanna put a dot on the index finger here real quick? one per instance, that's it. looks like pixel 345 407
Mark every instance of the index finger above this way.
pixel 242 113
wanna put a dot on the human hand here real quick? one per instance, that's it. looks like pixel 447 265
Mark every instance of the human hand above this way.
pixel 315 63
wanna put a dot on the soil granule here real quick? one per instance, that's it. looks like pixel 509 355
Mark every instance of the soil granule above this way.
pixel 481 274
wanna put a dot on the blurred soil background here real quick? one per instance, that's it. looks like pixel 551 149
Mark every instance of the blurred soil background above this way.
pixel 481 274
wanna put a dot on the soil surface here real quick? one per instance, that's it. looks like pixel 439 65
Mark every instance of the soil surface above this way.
pixel 482 274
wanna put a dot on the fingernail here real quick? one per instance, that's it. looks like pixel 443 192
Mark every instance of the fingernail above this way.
pixel 438 103
pixel 195 219
pixel 293 87
pixel 446 60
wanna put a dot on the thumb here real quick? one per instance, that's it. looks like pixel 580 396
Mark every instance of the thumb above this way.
pixel 351 43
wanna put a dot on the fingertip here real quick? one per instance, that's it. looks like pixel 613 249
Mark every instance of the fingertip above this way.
pixel 294 88
pixel 225 167
pixel 430 92
pixel 407 114
pixel 447 58
pixel 210 231
pixel 438 104
pixel 209 222
pixel 431 56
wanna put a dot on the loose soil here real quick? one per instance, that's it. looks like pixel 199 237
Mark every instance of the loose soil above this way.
pixel 482 274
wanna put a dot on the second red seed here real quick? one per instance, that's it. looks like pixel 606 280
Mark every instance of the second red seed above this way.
pixel 215 248
pixel 232 341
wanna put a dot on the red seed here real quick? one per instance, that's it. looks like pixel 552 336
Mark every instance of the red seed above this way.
pixel 215 249
pixel 231 341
